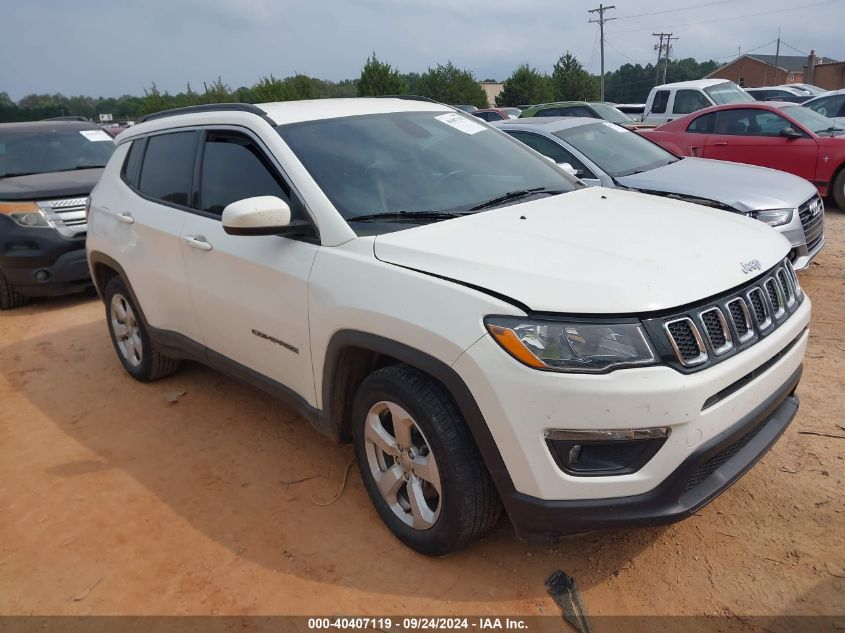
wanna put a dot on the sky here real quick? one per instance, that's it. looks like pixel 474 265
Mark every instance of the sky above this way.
pixel 108 48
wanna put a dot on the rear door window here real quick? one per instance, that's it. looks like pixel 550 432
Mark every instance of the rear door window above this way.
pixel 168 169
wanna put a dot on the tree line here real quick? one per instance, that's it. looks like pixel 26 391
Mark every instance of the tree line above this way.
pixel 446 83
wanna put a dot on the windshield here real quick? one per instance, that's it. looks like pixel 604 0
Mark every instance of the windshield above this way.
pixel 728 92
pixel 812 120
pixel 48 150
pixel 413 162
pixel 616 150
pixel 609 113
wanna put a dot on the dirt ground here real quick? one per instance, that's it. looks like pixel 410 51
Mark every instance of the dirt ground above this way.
pixel 115 500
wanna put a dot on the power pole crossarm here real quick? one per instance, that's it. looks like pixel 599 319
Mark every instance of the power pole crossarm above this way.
pixel 600 21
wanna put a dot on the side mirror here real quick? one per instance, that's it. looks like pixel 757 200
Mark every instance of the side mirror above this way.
pixel 569 169
pixel 790 132
pixel 262 215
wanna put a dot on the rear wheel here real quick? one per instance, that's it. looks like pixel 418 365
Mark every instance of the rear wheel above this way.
pixel 9 297
pixel 839 190
pixel 419 463
pixel 130 337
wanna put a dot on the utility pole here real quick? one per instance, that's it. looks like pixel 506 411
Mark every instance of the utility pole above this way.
pixel 663 49
pixel 777 60
pixel 668 46
pixel 601 20
pixel 659 48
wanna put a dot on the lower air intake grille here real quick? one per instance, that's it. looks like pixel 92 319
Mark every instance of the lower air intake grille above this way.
pixel 719 459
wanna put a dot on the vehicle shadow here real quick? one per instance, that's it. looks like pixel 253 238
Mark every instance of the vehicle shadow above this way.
pixel 248 473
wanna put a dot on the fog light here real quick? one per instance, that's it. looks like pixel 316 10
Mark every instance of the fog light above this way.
pixel 604 452
pixel 42 275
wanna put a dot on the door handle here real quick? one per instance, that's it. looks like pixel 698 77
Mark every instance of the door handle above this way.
pixel 198 242
pixel 126 218
pixel 720 143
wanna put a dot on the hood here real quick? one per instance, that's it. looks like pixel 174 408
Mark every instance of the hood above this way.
pixel 741 187
pixel 592 251
pixel 57 184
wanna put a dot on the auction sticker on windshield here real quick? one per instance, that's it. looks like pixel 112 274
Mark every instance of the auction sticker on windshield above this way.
pixel 95 135
pixel 460 123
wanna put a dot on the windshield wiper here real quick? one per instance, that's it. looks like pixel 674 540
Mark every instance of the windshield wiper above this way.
pixel 514 195
pixel 405 215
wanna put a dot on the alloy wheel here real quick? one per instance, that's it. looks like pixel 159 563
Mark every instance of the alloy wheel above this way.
pixel 403 466
pixel 127 334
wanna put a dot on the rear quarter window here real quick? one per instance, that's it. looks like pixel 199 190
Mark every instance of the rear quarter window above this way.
pixel 132 163
pixel 702 124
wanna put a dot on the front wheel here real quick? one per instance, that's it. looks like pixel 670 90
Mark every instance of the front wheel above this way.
pixel 9 297
pixel 419 463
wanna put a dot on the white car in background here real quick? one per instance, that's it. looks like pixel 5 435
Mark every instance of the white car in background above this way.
pixel 487 331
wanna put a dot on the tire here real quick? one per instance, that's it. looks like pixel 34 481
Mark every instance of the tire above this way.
pixel 130 337
pixel 9 297
pixel 438 466
pixel 839 189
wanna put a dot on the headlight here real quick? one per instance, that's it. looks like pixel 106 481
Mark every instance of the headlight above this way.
pixel 26 214
pixel 581 347
pixel 773 217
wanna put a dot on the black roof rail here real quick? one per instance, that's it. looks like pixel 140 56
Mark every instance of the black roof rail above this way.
pixel 81 119
pixel 410 98
pixel 209 107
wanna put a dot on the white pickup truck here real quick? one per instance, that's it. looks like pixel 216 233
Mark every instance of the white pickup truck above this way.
pixel 671 101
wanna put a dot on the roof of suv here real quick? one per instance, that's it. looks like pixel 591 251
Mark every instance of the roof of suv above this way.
pixel 282 112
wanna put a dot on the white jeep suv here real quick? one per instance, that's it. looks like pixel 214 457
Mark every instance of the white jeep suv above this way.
pixel 489 332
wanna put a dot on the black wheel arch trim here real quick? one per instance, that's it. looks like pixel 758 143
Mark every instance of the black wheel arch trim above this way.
pixel 437 369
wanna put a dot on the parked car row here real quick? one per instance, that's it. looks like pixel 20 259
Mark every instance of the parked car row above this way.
pixel 783 136
pixel 602 154
pixel 489 332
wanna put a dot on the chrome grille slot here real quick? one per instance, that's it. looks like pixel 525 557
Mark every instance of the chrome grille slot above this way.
pixel 67 215
pixel 741 318
pixel 775 296
pixel 686 341
pixel 788 289
pixel 759 307
pixel 717 330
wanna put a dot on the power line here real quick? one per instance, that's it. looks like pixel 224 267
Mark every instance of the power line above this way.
pixel 601 20
pixel 735 17
pixel 797 50
pixel 750 50
pixel 606 41
pixel 692 6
